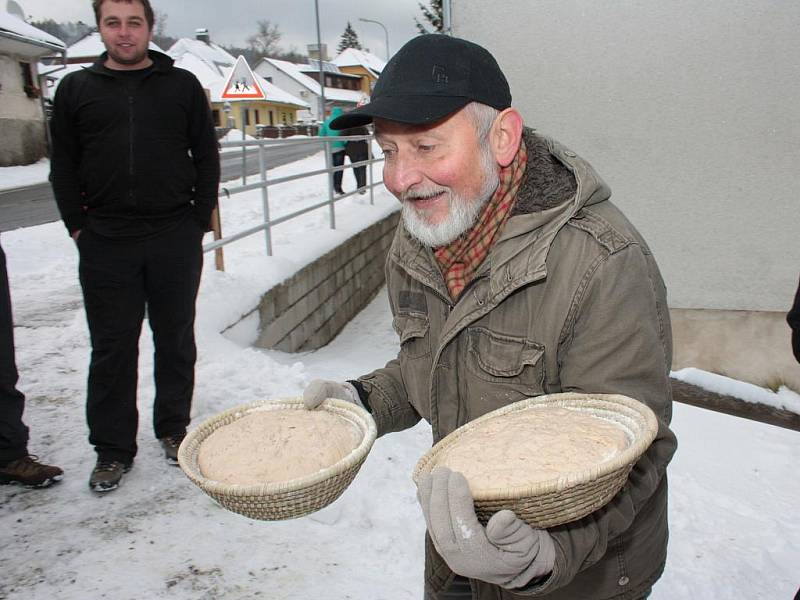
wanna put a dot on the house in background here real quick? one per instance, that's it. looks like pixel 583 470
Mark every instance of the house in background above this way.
pixel 22 119
pixel 363 64
pixel 341 89
pixel 212 65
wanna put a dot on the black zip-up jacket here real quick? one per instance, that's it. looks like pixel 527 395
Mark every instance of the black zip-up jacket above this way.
pixel 133 154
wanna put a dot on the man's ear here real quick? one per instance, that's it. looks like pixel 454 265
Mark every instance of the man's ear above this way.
pixel 505 136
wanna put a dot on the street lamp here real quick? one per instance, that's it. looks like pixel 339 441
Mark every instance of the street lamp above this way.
pixel 384 31
pixel 321 72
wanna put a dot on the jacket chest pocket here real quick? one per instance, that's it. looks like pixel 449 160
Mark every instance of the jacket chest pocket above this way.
pixel 412 328
pixel 502 369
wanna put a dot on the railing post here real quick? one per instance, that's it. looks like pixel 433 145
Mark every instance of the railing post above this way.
pixel 332 214
pixel 371 180
pixel 216 227
pixel 262 167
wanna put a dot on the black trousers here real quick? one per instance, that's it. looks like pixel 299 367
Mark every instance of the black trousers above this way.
pixel 337 158
pixel 120 277
pixel 13 432
pixel 356 152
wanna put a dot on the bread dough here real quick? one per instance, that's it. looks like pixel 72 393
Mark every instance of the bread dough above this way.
pixel 267 446
pixel 530 446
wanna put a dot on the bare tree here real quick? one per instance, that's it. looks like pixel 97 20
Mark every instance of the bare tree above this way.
pixel 160 37
pixel 160 27
pixel 265 41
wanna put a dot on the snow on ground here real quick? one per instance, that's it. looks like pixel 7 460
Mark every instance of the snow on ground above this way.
pixel 14 177
pixel 733 484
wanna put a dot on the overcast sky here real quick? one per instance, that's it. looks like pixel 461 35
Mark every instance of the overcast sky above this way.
pixel 231 21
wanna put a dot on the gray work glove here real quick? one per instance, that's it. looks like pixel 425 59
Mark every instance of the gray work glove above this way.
pixel 319 389
pixel 507 552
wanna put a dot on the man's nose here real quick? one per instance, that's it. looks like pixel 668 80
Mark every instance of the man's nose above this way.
pixel 404 173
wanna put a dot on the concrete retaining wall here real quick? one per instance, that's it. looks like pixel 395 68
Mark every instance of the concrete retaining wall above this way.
pixel 24 142
pixel 306 311
pixel 751 346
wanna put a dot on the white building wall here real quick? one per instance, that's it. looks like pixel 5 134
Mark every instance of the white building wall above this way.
pixel 290 85
pixel 22 133
pixel 14 103
pixel 689 109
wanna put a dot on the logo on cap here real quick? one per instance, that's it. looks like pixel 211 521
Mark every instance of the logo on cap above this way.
pixel 439 75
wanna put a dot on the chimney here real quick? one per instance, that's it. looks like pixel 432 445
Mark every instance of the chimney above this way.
pixel 201 34
pixel 314 51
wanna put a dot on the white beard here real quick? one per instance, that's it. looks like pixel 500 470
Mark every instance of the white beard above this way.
pixel 462 212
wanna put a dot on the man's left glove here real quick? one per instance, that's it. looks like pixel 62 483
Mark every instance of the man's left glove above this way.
pixel 507 552
pixel 319 389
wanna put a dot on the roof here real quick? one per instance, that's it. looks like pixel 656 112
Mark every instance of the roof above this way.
pixel 313 67
pixel 296 72
pixel 351 57
pixel 91 45
pixel 215 57
pixel 16 29
pixel 57 72
pixel 214 80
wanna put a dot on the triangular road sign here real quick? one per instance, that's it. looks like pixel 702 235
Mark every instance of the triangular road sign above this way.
pixel 242 84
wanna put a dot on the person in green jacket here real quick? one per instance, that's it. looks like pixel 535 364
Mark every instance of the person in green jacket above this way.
pixel 511 275
pixel 336 149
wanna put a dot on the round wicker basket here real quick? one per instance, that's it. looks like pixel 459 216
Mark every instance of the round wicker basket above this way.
pixel 573 495
pixel 286 499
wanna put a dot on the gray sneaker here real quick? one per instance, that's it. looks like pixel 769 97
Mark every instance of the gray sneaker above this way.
pixel 170 444
pixel 107 474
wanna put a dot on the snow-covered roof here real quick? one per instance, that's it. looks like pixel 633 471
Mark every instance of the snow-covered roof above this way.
pixel 327 67
pixel 214 82
pixel 295 71
pixel 14 28
pixel 216 57
pixel 57 72
pixel 91 46
pixel 351 57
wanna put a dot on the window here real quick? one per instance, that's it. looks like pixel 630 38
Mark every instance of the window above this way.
pixel 246 117
pixel 28 85
pixel 258 120
pixel 215 114
pixel 271 119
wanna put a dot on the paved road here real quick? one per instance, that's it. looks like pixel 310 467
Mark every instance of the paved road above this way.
pixel 34 204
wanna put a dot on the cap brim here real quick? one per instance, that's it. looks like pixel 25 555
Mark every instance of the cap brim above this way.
pixel 415 110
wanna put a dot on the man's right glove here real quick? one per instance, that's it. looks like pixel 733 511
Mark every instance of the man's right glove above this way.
pixel 319 389
pixel 507 552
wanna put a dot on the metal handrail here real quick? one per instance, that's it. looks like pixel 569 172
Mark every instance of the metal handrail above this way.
pixel 265 183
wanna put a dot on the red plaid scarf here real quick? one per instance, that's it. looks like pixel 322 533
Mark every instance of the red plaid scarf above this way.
pixel 460 259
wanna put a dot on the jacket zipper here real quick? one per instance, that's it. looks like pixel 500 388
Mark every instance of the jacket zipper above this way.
pixel 130 147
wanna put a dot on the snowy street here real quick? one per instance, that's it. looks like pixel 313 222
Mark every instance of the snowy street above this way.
pixel 735 531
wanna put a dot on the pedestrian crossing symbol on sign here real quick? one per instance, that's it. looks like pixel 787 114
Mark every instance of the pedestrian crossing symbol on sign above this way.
pixel 242 84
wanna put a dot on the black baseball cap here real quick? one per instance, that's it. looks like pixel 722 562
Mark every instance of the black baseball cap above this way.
pixel 430 77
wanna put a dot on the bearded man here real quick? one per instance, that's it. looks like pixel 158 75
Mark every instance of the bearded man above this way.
pixel 135 172
pixel 511 275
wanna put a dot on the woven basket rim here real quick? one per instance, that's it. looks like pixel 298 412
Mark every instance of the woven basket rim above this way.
pixel 356 415
pixel 572 400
